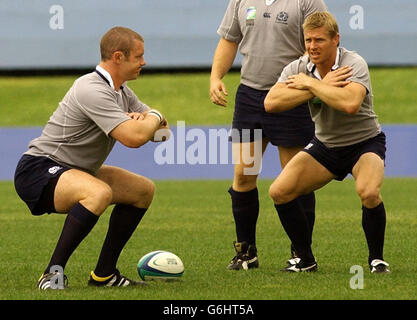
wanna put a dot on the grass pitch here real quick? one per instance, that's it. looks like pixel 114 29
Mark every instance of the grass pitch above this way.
pixel 202 235
pixel 193 219
pixel 29 101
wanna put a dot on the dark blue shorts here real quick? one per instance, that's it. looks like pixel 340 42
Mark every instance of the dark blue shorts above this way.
pixel 35 181
pixel 341 160
pixel 292 128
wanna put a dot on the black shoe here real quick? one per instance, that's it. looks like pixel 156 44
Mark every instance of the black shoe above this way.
pixel 117 280
pixel 301 266
pixel 50 281
pixel 379 266
pixel 246 257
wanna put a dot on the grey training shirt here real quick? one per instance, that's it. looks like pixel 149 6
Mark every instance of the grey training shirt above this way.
pixel 332 127
pixel 269 36
pixel 77 133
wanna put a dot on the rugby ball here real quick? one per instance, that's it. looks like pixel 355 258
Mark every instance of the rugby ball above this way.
pixel 160 265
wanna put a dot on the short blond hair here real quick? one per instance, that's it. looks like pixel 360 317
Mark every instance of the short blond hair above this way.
pixel 322 19
pixel 118 39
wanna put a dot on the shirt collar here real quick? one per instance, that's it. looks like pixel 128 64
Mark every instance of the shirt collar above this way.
pixel 311 67
pixel 107 77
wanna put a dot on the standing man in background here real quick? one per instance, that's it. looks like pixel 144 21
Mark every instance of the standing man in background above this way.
pixel 269 35
pixel 63 169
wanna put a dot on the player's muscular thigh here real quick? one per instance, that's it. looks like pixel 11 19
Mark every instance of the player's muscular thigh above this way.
pixel 127 187
pixel 78 186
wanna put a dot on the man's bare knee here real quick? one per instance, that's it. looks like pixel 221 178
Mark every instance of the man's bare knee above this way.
pixel 370 196
pixel 280 195
pixel 149 192
pixel 242 182
pixel 145 194
pixel 77 186
pixel 98 200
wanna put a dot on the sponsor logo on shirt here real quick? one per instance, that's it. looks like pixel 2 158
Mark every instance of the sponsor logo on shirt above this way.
pixel 250 16
pixel 282 17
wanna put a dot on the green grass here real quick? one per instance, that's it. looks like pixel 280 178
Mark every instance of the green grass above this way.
pixel 394 94
pixel 202 236
pixel 29 101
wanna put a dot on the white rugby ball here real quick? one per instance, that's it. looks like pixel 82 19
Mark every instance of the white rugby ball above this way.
pixel 160 265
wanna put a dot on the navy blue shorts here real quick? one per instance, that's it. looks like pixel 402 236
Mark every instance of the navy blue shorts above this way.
pixel 35 181
pixel 292 128
pixel 341 160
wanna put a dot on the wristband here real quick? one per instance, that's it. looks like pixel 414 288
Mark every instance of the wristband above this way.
pixel 156 114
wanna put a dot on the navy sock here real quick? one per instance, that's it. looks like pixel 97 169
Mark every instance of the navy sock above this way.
pixel 308 202
pixel 245 207
pixel 373 223
pixel 77 226
pixel 123 222
pixel 296 226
